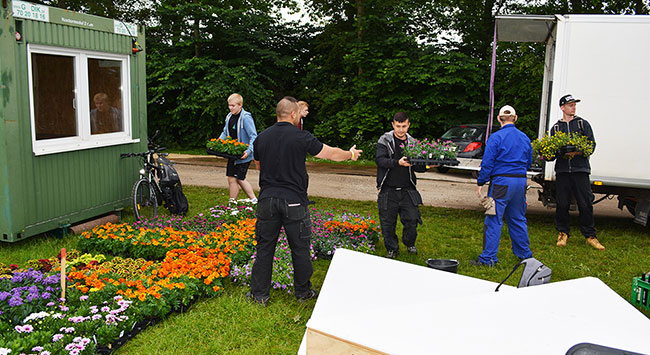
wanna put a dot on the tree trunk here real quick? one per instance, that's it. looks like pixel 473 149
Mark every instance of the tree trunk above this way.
pixel 360 15
pixel 196 35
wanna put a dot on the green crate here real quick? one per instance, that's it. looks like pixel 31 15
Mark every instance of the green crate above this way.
pixel 640 293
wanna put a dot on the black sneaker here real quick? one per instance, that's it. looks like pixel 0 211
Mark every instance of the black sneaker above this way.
pixel 392 254
pixel 412 250
pixel 263 301
pixel 311 294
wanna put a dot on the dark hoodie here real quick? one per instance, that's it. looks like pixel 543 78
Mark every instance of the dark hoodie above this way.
pixel 578 164
pixel 386 159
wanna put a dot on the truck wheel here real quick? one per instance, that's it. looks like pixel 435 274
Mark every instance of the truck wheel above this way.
pixel 442 169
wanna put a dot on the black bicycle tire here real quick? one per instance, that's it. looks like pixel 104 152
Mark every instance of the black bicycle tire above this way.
pixel 153 201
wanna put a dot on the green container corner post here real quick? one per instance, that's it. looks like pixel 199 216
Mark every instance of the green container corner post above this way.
pixel 72 99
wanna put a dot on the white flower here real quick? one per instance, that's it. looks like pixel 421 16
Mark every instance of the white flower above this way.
pixel 38 315
pixel 4 351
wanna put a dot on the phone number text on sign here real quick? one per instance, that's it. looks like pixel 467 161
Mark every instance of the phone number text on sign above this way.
pixel 31 11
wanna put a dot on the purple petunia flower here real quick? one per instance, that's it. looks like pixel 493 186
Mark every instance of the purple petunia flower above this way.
pixel 47 296
pixel 83 298
pixel 4 295
pixel 15 301
pixel 57 337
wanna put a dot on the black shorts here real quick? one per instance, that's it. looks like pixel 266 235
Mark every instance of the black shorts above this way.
pixel 237 170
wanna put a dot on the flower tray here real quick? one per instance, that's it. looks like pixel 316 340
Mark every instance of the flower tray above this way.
pixel 223 155
pixel 568 149
pixel 422 161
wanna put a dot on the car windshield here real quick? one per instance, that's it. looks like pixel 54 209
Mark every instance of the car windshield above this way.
pixel 461 133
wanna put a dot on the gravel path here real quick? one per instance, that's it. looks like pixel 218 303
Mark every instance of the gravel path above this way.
pixel 455 189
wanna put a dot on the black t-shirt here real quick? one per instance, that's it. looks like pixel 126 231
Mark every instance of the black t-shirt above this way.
pixel 281 150
pixel 398 176
pixel 232 125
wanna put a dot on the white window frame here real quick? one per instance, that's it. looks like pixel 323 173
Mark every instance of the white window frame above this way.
pixel 83 139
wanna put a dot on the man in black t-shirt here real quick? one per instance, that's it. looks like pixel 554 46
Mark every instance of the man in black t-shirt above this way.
pixel 281 150
pixel 396 184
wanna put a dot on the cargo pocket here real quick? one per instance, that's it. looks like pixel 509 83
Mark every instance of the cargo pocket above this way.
pixel 499 191
pixel 415 196
pixel 382 201
pixel 305 228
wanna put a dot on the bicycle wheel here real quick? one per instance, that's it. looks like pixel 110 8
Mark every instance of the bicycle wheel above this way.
pixel 145 204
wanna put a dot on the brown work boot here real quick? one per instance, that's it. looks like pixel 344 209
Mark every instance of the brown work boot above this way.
pixel 595 243
pixel 561 239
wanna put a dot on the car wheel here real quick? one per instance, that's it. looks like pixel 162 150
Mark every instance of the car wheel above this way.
pixel 442 169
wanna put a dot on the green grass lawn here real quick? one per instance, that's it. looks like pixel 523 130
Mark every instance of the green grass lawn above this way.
pixel 229 324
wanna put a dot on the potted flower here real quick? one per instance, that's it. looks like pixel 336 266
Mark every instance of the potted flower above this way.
pixel 561 144
pixel 226 148
pixel 434 152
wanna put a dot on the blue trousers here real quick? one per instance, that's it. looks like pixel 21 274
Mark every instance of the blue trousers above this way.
pixel 509 194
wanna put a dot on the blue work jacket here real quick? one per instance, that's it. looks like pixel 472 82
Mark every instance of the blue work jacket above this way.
pixel 508 151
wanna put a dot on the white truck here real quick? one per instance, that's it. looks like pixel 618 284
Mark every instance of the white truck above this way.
pixel 604 60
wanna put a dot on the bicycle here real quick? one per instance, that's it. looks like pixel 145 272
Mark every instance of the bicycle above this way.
pixel 147 195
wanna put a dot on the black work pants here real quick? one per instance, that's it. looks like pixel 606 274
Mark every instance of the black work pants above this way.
pixel 392 202
pixel 272 215
pixel 578 185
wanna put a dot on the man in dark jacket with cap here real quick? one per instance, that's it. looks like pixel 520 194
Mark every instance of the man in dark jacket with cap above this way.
pixel 572 177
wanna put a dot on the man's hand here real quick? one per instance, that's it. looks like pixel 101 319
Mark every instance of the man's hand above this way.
pixel 404 162
pixel 244 156
pixel 478 191
pixel 356 153
pixel 573 154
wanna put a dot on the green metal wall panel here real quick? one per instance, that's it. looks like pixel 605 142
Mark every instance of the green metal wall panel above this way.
pixel 40 193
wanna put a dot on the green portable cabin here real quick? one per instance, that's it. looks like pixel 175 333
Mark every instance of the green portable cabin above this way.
pixel 72 98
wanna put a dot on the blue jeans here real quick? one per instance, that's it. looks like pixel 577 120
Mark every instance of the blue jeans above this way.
pixel 273 214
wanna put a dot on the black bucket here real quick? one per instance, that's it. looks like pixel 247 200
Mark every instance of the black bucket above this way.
pixel 450 265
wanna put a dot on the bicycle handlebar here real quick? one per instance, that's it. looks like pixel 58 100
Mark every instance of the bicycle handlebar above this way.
pixel 143 154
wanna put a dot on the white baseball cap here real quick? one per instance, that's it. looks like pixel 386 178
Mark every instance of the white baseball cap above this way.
pixel 507 110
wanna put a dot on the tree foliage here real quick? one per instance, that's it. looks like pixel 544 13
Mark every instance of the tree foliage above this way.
pixel 357 64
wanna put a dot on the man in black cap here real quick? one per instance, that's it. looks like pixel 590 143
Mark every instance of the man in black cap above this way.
pixel 572 177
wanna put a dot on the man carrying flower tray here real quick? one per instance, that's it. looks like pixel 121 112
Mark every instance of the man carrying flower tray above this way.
pixel 239 125
pixel 508 155
pixel 572 171
pixel 396 184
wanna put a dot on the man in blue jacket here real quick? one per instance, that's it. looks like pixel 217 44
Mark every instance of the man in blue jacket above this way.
pixel 508 155
pixel 239 125
pixel 572 177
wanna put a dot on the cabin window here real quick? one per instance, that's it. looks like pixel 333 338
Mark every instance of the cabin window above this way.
pixel 79 99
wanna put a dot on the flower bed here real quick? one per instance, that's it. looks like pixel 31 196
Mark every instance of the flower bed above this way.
pixel 330 231
pixel 108 301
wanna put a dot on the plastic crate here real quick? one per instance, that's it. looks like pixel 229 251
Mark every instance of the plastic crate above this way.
pixel 641 292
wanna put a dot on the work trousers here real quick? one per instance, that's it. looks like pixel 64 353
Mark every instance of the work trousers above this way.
pixel 273 214
pixel 578 185
pixel 403 202
pixel 509 194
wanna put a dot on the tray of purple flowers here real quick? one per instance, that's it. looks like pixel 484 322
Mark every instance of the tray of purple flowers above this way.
pixel 426 161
